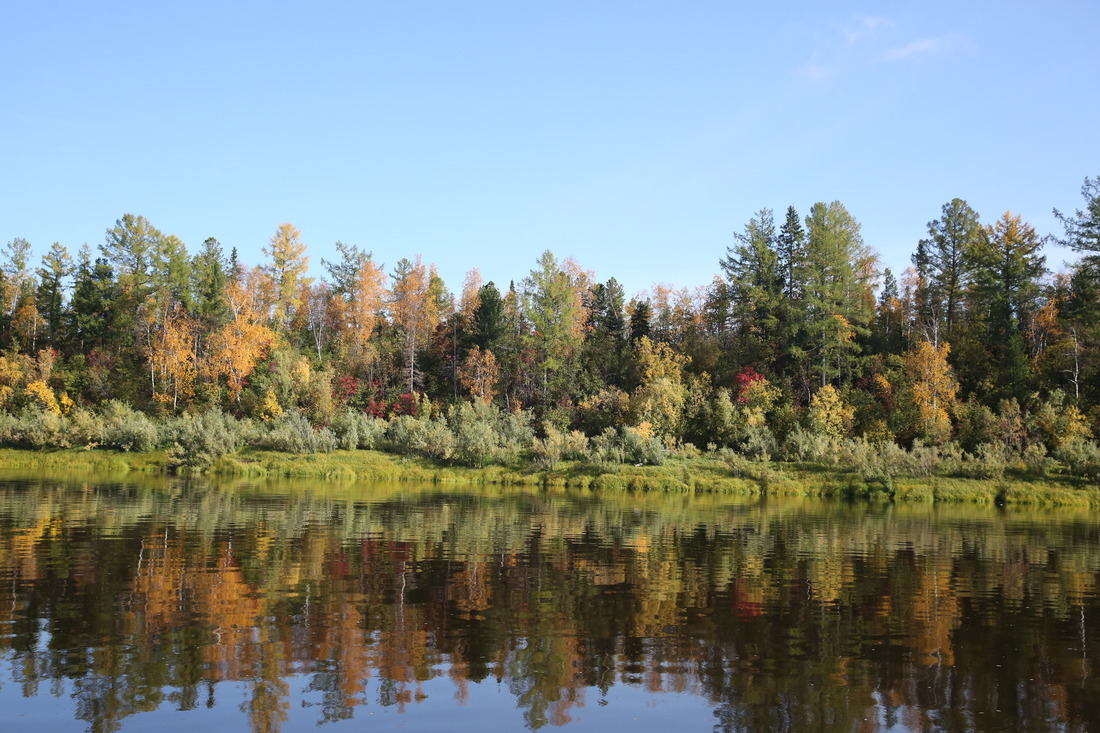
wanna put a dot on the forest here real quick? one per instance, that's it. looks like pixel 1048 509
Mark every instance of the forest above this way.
pixel 799 346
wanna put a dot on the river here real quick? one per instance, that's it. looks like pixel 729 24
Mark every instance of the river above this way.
pixel 168 604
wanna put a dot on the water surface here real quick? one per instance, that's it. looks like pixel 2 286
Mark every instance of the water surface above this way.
pixel 172 605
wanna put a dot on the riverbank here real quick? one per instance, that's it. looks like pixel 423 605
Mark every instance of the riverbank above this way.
pixel 703 473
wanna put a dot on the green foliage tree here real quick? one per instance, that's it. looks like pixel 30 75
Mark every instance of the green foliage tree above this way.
pixel 950 248
pixel 57 267
pixel 1082 230
pixel 839 301
pixel 756 289
pixel 1004 293
pixel 554 305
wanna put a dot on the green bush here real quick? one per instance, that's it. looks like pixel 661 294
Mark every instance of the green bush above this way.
pixel 126 429
pixel 1081 458
pixel 358 430
pixel 294 433
pixel 34 429
pixel 626 445
pixel 199 440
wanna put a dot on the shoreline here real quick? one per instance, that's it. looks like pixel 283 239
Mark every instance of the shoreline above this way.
pixel 695 474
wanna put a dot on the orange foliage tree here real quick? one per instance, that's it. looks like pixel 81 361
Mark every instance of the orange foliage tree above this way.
pixel 238 346
pixel 479 374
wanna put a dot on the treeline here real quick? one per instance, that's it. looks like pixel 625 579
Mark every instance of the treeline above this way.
pixel 799 335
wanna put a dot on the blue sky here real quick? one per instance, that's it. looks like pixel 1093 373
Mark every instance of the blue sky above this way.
pixel 635 136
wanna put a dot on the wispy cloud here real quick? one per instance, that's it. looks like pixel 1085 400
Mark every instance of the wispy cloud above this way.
pixel 863 26
pixel 838 43
pixel 814 70
pixel 924 47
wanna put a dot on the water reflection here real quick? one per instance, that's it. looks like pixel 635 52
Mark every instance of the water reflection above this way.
pixel 283 607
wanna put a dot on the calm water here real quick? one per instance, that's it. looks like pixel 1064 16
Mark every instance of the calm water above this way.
pixel 174 605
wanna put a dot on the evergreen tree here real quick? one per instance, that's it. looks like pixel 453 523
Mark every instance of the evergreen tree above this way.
pixel 489 324
pixel 209 275
pixel 1083 228
pixel 346 271
pixel 1004 293
pixel 57 266
pixel 888 335
pixel 791 244
pixel 839 301
pixel 756 289
pixel 93 292
pixel 949 250
pixel 605 353
pixel 641 316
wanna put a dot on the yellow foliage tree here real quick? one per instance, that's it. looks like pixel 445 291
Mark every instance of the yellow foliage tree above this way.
pixel 171 354
pixel 659 400
pixel 415 311
pixel 236 348
pixel 479 374
pixel 44 396
pixel 933 390
pixel 288 263
pixel 830 415
pixel 365 304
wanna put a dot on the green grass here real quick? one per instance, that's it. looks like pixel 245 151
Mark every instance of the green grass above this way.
pixel 99 461
pixel 700 474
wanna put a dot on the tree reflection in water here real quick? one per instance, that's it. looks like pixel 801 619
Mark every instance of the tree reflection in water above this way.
pixel 129 598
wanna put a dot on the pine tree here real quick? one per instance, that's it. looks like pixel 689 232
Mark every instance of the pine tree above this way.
pixel 839 300
pixel 57 266
pixel 949 251
pixel 1004 293
pixel 756 290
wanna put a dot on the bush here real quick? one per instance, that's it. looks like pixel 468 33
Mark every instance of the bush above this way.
pixel 626 445
pixel 34 428
pixel 201 439
pixel 425 436
pixel 126 429
pixel 358 430
pixel 294 433
pixel 804 445
pixel 989 461
pixel 1081 458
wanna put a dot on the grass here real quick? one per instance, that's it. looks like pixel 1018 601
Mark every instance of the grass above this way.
pixel 701 474
pixel 100 461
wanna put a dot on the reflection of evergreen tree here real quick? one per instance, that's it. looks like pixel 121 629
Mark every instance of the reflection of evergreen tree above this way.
pixel 784 616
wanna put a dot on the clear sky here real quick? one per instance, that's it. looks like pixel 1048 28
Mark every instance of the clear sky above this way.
pixel 635 136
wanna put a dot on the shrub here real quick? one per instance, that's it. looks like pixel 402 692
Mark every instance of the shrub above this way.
pixel 977 425
pixel 294 433
pixel 804 445
pixel 425 436
pixel 627 445
pixel 34 428
pixel 201 439
pixel 358 430
pixel 126 429
pixel 989 461
pixel 1081 458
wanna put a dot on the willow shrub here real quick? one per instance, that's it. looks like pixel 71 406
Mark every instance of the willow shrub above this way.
pixel 34 429
pixel 358 430
pixel 626 445
pixel 1081 458
pixel 126 429
pixel 199 440
pixel 294 433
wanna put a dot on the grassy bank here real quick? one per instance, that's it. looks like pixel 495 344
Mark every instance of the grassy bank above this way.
pixel 695 474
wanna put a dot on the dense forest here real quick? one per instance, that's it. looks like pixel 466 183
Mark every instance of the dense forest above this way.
pixel 800 338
